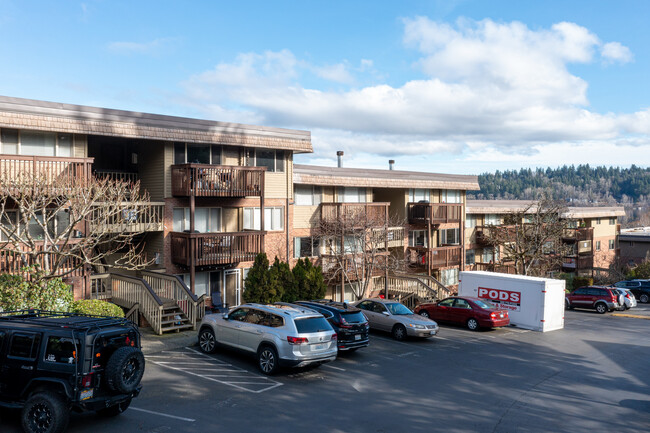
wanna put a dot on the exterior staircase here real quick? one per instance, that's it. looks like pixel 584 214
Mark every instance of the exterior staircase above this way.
pixel 173 318
pixel 412 290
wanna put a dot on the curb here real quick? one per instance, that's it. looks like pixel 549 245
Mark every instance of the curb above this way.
pixel 632 316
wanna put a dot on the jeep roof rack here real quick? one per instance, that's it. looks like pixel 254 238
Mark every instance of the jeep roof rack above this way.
pixel 77 321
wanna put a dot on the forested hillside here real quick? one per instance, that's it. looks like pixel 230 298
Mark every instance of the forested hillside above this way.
pixel 580 185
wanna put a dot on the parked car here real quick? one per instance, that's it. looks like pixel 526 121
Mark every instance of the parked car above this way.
pixel 628 299
pixel 52 363
pixel 600 298
pixel 350 324
pixel 640 289
pixel 278 335
pixel 394 317
pixel 472 312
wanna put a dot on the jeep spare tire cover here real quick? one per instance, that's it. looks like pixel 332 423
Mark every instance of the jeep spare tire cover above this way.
pixel 124 369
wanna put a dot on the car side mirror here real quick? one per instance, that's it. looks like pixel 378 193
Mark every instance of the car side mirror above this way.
pixel 225 316
pixel 385 313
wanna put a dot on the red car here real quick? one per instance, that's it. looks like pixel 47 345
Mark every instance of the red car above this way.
pixel 475 313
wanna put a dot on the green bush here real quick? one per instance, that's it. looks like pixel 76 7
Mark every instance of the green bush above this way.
pixel 96 308
pixel 18 293
pixel 582 282
pixel 309 280
pixel 261 285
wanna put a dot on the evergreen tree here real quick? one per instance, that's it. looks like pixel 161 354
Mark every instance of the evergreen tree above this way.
pixel 261 284
pixel 283 278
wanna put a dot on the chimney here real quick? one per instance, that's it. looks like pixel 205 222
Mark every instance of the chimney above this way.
pixel 339 154
pixel 391 164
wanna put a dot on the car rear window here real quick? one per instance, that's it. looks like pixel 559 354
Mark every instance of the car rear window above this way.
pixel 354 317
pixel 312 324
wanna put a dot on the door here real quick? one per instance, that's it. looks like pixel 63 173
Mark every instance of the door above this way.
pixel 230 332
pixel 382 320
pixel 232 287
pixel 250 335
pixel 441 311
pixel 461 311
pixel 19 365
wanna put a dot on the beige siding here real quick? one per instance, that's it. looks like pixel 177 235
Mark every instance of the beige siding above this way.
pixel 80 146
pixel 604 229
pixel 231 156
pixel 230 219
pixel 328 194
pixel 397 199
pixel 275 185
pixel 151 168
pixel 305 217
pixel 154 243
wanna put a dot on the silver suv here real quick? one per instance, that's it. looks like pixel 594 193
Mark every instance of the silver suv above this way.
pixel 279 335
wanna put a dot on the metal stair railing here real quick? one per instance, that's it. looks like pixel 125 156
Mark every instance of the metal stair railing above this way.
pixel 172 287
pixel 442 291
pixel 404 286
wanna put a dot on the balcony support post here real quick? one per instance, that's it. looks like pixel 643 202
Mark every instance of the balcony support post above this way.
pixel 192 243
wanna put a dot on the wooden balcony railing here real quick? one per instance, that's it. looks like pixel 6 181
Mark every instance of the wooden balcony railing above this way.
pixel 133 217
pixel 205 180
pixel 49 169
pixel 356 214
pixel 116 175
pixel 432 258
pixel 209 249
pixel 495 267
pixel 578 234
pixel 436 213
pixel 12 262
pixel 580 262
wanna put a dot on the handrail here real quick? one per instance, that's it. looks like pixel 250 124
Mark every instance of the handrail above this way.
pixel 127 291
pixel 209 180
pixel 173 287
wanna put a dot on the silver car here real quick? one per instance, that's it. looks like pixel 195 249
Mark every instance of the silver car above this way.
pixel 278 335
pixel 629 301
pixel 396 318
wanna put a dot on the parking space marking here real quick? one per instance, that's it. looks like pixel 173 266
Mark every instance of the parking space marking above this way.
pixel 162 414
pixel 335 368
pixel 195 363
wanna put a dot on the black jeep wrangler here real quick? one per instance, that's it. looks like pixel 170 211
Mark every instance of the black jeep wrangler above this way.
pixel 52 363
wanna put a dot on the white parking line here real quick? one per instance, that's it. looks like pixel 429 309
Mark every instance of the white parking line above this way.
pixel 192 362
pixel 162 414
pixel 335 368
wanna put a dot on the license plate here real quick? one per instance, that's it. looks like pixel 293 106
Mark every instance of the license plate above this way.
pixel 318 347
pixel 86 394
pixel 357 337
pixel 432 332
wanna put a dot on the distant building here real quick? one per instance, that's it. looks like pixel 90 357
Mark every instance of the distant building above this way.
pixel 634 244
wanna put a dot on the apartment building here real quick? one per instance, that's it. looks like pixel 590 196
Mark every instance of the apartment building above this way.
pixel 592 235
pixel 207 182
pixel 423 214
pixel 634 244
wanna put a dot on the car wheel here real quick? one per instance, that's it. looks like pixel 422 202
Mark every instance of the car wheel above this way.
pixel 424 313
pixel 601 308
pixel 115 409
pixel 124 369
pixel 45 412
pixel 267 360
pixel 472 324
pixel 207 341
pixel 644 298
pixel 399 332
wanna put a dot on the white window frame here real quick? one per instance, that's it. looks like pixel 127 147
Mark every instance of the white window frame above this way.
pixel 310 195
pixel 273 218
pixel 418 194
pixel 444 236
pixel 185 223
pixel 413 234
pixel 470 253
pixel 212 152
pixel 450 196
pixel 251 160
pixel 449 277
pixel 297 244
pixel 470 221
pixel 492 219
pixel 343 193
pixel 57 150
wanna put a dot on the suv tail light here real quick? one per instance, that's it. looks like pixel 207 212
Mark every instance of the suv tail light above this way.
pixel 87 381
pixel 334 337
pixel 297 340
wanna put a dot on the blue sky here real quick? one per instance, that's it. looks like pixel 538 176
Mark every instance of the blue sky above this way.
pixel 441 86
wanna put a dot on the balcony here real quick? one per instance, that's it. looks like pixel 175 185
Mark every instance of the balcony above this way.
pixel 48 169
pixel 434 213
pixel 433 258
pixel 578 234
pixel 373 214
pixel 393 236
pixel 129 217
pixel 577 263
pixel 205 180
pixel 210 249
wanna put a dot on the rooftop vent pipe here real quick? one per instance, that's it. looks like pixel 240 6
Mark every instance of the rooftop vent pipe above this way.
pixel 339 154
pixel 391 164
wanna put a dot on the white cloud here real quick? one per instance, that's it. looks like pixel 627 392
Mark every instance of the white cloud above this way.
pixel 155 46
pixel 615 52
pixel 498 86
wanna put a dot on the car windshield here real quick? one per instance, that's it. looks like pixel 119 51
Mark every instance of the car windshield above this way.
pixel 484 304
pixel 312 324
pixel 398 309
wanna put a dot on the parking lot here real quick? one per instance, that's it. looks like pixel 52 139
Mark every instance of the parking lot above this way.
pixel 591 376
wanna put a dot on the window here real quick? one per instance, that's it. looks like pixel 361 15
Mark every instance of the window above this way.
pixel 273 218
pixel 64 145
pixel 492 219
pixel 206 220
pixel 60 349
pixel 37 143
pixel 8 221
pixel 24 345
pixel 572 224
pixel 597 245
pixel 470 257
pixel 307 195
pixel 612 244
pixel 450 196
pixel 306 247
pixel 351 195
pixel 418 238
pixel 488 255
pixel 416 195
pixel 461 303
pixel 273 160
pixel 449 277
pixel 449 237
pixel 470 221
pixel 598 221
pixel 197 153
pixel 612 221
pixel 9 141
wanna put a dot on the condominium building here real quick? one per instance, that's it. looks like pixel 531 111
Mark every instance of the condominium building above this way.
pixel 592 235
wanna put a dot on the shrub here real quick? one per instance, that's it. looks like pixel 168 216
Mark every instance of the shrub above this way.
pixel 261 284
pixel 96 307
pixel 582 282
pixel 18 293
pixel 309 280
